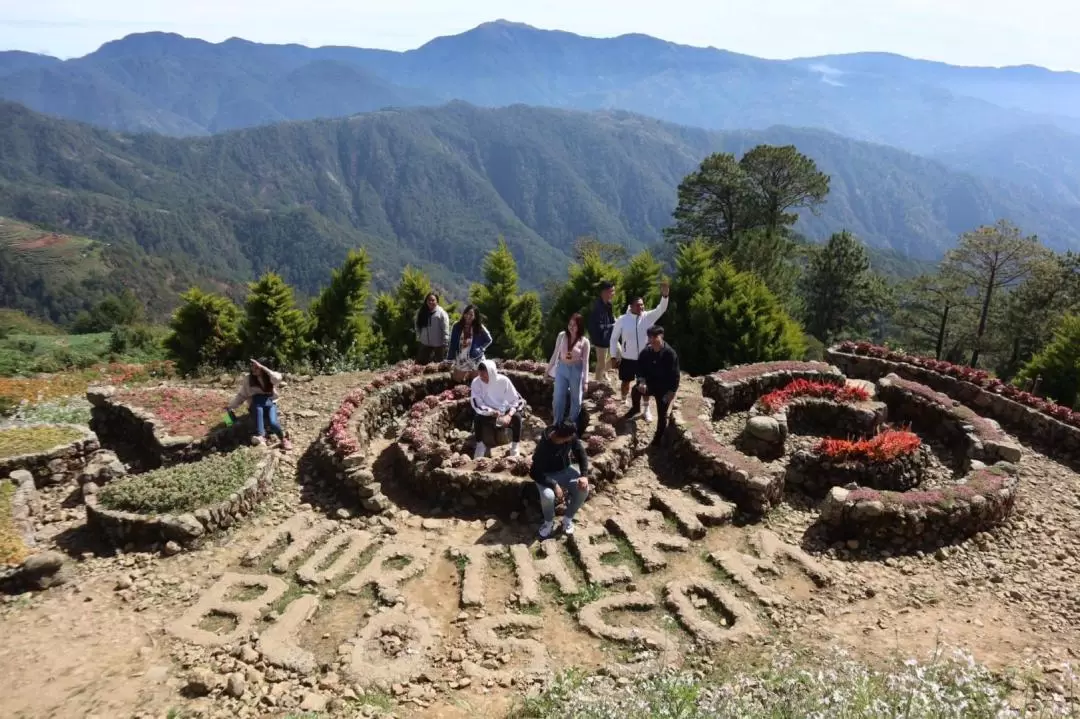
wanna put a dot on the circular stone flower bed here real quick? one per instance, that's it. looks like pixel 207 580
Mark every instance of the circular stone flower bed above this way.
pixel 161 426
pixel 893 460
pixel 52 453
pixel 181 503
pixel 433 453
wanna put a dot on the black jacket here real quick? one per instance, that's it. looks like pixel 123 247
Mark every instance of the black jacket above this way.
pixel 659 370
pixel 550 457
pixel 601 322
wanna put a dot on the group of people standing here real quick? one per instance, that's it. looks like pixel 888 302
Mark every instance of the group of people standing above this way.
pixel 633 343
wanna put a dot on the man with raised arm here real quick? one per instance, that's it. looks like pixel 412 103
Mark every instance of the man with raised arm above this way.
pixel 629 338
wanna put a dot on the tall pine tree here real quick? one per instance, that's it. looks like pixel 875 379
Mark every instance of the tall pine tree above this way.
pixel 640 278
pixel 577 294
pixel 204 332
pixel 340 329
pixel 273 327
pixel 1057 366
pixel 838 288
pixel 513 319
pixel 395 314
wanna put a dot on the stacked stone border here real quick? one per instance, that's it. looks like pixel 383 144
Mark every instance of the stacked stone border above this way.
pixel 815 473
pixel 59 465
pixel 38 570
pixel 909 521
pixel 744 479
pixel 342 449
pixel 1025 416
pixel 150 531
pixel 141 438
pixel 972 437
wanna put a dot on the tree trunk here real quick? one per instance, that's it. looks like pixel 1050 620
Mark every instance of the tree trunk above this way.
pixel 940 347
pixel 982 318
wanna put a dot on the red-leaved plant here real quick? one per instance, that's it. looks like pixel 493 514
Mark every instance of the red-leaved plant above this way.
pixel 885 447
pixel 775 401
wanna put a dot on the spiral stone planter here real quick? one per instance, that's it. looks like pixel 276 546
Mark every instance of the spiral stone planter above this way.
pixel 57 465
pixel 815 475
pixel 147 531
pixel 143 440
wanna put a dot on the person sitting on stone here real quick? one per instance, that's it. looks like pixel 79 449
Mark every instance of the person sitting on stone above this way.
pixel 259 390
pixel 658 376
pixel 432 330
pixel 497 403
pixel 468 341
pixel 555 476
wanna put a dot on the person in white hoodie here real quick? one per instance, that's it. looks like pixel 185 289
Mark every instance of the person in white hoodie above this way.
pixel 629 338
pixel 495 401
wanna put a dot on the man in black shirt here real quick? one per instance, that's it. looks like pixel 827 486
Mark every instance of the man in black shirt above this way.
pixel 555 476
pixel 658 376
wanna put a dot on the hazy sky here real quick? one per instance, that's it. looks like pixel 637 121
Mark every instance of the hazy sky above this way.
pixel 969 32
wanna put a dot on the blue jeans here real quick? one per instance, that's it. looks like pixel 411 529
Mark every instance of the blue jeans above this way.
pixel 565 479
pixel 265 410
pixel 567 379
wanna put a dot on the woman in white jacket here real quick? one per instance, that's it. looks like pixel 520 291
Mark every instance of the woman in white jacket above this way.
pixel 569 366
pixel 259 390
pixel 496 402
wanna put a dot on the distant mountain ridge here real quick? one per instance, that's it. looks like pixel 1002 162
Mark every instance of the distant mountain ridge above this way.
pixel 165 83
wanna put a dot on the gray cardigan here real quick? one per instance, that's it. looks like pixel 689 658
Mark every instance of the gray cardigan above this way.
pixel 437 331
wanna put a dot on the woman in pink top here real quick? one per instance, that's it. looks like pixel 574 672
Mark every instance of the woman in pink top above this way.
pixel 569 366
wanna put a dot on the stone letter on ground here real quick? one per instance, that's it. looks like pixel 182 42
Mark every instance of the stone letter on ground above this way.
pixel 350 544
pixel 278 643
pixel 483 634
pixel 475 570
pixel 392 648
pixel 212 602
pixel 690 514
pixel 388 582
pixel 743 568
pixel 740 622
pixel 645 533
pixel 300 534
pixel 591 555
pixel 591 618
pixel 530 570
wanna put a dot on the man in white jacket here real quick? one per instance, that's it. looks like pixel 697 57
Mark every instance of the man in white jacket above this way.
pixel 495 400
pixel 629 338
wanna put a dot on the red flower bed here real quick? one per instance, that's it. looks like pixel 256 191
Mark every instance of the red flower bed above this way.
pixel 737 374
pixel 775 401
pixel 981 483
pixel 185 412
pixel 885 447
pixel 977 377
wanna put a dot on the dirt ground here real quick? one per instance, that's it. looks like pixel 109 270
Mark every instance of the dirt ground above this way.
pixel 100 646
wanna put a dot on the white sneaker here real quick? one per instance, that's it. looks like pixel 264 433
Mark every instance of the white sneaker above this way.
pixel 480 450
pixel 546 529
pixel 567 526
pixel 648 414
pixel 514 450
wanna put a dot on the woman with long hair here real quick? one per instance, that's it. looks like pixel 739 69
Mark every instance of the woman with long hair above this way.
pixel 432 327
pixel 259 390
pixel 468 340
pixel 569 365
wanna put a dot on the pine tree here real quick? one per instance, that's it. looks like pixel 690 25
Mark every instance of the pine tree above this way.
pixel 513 319
pixel 640 278
pixel 838 288
pixel 204 332
pixel 340 328
pixel 273 327
pixel 1058 364
pixel 577 294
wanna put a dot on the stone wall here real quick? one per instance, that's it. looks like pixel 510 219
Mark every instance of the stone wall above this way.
pixel 39 570
pixel 738 388
pixel 910 521
pixel 765 434
pixel 141 439
pixel 58 465
pixel 1041 430
pixel 143 531
pixel 970 436
pixel 815 475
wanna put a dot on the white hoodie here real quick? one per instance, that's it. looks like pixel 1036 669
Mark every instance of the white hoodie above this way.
pixel 496 396
pixel 632 330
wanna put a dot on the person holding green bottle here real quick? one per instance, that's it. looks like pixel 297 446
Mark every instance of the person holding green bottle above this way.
pixel 259 390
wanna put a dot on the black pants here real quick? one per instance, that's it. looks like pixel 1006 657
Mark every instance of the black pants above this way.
pixel 483 419
pixel 427 355
pixel 662 408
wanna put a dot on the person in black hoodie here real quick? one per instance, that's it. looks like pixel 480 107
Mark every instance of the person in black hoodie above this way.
pixel 601 322
pixel 658 376
pixel 555 476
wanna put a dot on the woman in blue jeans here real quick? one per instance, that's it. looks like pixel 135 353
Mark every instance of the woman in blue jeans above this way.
pixel 259 390
pixel 569 366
